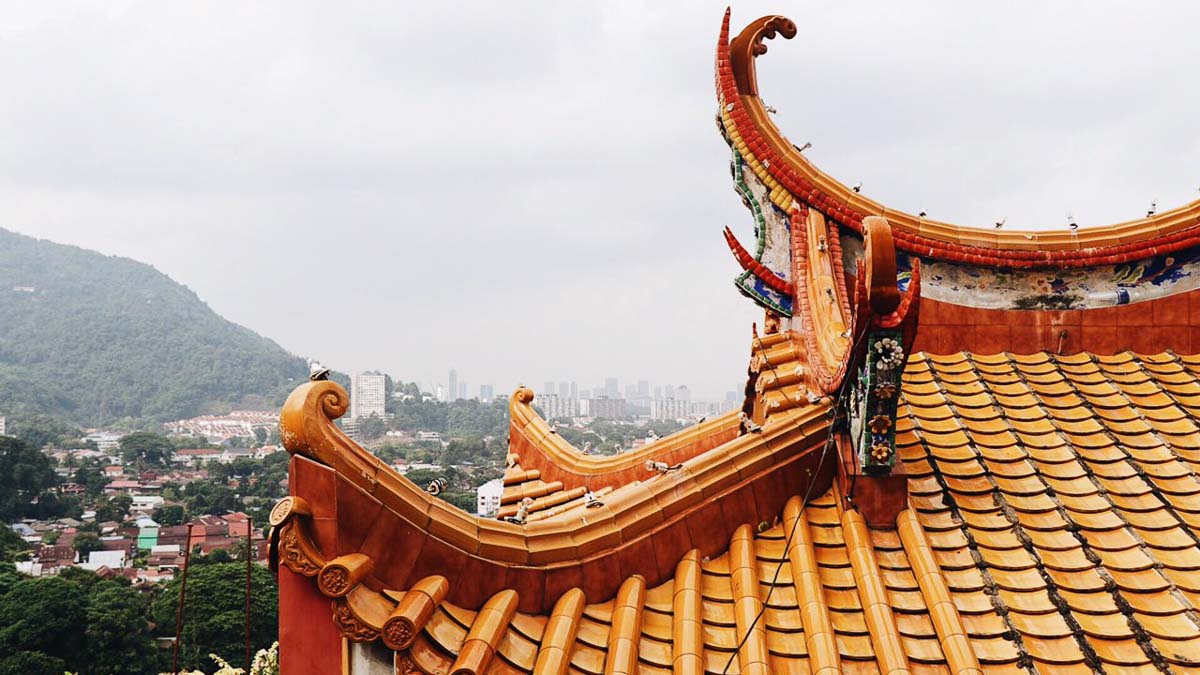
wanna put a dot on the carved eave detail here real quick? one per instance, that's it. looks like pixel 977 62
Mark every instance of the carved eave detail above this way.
pixel 536 446
pixel 794 181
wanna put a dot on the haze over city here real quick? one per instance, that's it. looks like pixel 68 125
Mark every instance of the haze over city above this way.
pixel 538 194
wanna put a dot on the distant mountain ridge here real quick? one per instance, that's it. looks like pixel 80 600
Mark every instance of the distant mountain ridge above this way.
pixel 95 338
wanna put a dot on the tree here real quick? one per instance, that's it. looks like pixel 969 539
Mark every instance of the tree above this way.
pixel 25 474
pixel 115 508
pixel 118 631
pixel 220 555
pixel 46 615
pixel 9 577
pixel 42 430
pixel 215 611
pixel 146 448
pixel 471 450
pixel 372 427
pixel 169 514
pixel 260 435
pixel 84 544
pixel 12 546
pixel 25 662
pixel 463 500
pixel 91 478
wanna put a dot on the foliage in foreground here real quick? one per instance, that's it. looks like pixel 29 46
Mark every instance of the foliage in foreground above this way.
pixel 77 622
pixel 214 614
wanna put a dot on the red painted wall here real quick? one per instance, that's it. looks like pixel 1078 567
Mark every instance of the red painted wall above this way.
pixel 1145 327
pixel 309 643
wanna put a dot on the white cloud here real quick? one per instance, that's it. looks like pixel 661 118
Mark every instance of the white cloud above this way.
pixel 536 191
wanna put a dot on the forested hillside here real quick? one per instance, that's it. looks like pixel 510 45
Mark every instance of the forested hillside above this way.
pixel 94 339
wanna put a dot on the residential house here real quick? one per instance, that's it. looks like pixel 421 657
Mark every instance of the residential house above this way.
pixel 230 455
pixel 238 524
pixel 126 486
pixel 195 456
pixel 145 503
pixel 113 560
pixel 147 536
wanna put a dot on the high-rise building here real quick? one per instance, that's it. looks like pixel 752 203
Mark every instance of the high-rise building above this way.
pixel 683 393
pixel 548 388
pixel 3 426
pixel 610 387
pixel 574 389
pixel 367 395
pixel 487 497
pixel 564 390
pixel 452 385
pixel 608 408
pixel 732 400
pixel 555 406
pixel 462 390
pixel 486 392
pixel 669 409
pixel 643 389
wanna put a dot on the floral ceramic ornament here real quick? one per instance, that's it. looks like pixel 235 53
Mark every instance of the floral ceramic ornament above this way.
pixel 889 353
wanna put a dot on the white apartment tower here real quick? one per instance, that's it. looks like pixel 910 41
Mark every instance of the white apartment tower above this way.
pixel 487 497
pixel 367 395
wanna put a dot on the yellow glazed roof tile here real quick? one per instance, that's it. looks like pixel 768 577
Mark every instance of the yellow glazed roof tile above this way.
pixel 1054 520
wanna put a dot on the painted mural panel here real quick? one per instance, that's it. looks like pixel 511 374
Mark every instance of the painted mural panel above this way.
pixel 1083 288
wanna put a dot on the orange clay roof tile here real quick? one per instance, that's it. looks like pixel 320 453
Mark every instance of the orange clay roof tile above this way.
pixel 1054 520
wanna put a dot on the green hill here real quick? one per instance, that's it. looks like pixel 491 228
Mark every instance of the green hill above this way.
pixel 94 339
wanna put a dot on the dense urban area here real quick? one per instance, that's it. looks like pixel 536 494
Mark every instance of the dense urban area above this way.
pixel 103 520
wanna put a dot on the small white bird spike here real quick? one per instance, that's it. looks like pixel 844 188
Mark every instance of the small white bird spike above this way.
pixel 802 148
pixel 317 372
pixel 922 213
pixel 857 186
pixel 1071 222
pixel 660 467
pixel 748 424
pixel 770 109
pixel 436 486
pixel 1153 208
pixel 1000 223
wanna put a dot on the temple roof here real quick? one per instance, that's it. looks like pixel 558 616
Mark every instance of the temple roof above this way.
pixel 870 508
pixel 1053 520
pixel 794 181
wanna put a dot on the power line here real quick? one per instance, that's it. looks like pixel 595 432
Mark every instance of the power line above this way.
pixel 803 505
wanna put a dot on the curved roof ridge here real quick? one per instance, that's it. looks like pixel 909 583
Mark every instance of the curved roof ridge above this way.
pixel 794 180
pixel 384 508
pixel 537 446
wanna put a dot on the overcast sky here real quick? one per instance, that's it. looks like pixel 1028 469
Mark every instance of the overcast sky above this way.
pixel 536 191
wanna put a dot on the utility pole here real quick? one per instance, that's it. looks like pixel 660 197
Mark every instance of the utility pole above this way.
pixel 249 538
pixel 187 556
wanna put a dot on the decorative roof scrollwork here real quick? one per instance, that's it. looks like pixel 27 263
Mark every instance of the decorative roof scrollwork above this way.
pixel 746 124
pixel 749 44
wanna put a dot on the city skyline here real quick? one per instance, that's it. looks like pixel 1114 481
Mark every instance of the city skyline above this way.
pixel 646 388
